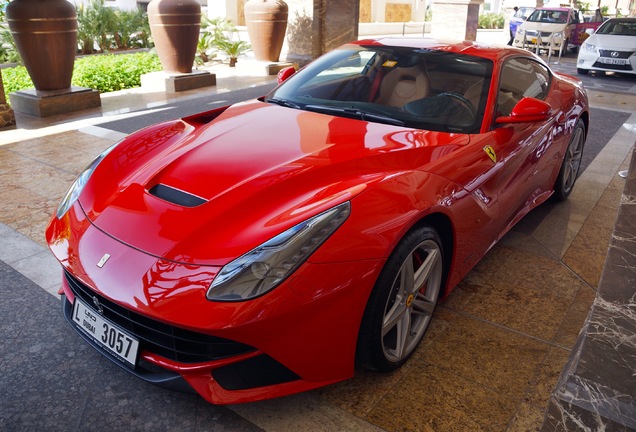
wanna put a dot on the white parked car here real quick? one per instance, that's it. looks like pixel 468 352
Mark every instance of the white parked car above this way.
pixel 611 49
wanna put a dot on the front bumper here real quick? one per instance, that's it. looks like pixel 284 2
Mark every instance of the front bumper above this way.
pixel 544 43
pixel 300 336
pixel 623 62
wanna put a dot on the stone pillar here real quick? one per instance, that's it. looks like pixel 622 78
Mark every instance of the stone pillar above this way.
pixel 335 23
pixel 7 116
pixel 298 42
pixel 317 26
pixel 225 9
pixel 455 19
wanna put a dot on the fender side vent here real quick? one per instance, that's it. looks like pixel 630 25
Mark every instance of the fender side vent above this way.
pixel 176 196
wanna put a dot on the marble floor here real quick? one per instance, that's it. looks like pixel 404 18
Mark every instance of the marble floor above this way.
pixel 498 343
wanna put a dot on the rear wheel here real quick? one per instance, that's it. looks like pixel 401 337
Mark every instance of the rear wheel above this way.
pixel 402 302
pixel 571 163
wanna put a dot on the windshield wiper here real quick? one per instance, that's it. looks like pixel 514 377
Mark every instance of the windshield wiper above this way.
pixel 283 102
pixel 355 113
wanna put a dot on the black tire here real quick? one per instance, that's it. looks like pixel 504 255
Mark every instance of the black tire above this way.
pixel 571 163
pixel 402 302
pixel 581 71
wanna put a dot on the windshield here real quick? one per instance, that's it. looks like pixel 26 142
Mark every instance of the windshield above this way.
pixel 418 88
pixel 523 12
pixel 620 28
pixel 548 16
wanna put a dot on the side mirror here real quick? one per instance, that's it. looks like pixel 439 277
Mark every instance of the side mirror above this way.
pixel 285 73
pixel 527 110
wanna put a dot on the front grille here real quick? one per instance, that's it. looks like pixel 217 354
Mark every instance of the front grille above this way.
pixel 618 55
pixel 168 341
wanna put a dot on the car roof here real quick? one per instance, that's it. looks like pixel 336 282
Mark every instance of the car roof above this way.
pixel 622 19
pixel 477 49
pixel 561 9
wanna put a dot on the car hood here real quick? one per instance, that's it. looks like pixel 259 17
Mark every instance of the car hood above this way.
pixel 613 42
pixel 253 170
pixel 544 27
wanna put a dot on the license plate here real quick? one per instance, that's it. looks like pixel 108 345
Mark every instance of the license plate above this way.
pixel 106 334
pixel 533 41
pixel 612 61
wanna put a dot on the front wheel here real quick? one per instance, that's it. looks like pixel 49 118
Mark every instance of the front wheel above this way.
pixel 402 302
pixel 571 163
pixel 581 71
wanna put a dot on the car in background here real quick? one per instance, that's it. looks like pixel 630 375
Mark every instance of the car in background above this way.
pixel 612 48
pixel 519 16
pixel 556 29
pixel 266 248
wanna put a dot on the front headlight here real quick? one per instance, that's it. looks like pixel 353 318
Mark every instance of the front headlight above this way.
pixel 78 185
pixel 262 269
pixel 589 47
pixel 520 32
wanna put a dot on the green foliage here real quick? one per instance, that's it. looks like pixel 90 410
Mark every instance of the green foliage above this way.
pixel 8 51
pixel 491 21
pixel 584 7
pixel 3 7
pixel 14 79
pixel 86 28
pixel 111 28
pixel 106 73
pixel 604 10
pixel 110 72
pixel 233 49
pixel 216 35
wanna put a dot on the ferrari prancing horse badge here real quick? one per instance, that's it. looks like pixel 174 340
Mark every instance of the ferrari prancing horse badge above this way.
pixel 491 153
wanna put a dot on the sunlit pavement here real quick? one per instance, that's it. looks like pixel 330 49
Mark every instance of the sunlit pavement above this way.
pixel 489 361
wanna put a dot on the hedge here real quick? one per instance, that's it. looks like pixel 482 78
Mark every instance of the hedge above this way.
pixel 106 73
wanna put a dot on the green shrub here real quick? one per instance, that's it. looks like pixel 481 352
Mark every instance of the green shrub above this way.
pixel 105 73
pixel 111 72
pixel 14 79
pixel 491 21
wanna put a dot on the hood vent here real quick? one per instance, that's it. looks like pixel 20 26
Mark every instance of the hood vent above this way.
pixel 176 196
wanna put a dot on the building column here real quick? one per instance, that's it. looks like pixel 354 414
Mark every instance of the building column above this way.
pixel 455 19
pixel 335 23
pixel 317 26
pixel 225 9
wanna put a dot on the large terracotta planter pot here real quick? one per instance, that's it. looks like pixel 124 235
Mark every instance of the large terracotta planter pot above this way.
pixel 266 24
pixel 175 25
pixel 45 34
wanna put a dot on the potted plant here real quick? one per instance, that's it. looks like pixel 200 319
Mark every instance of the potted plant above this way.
pixel 232 49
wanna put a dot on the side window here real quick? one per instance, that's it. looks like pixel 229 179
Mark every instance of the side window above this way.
pixel 521 77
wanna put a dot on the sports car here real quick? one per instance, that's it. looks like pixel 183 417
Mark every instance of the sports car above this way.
pixel 270 247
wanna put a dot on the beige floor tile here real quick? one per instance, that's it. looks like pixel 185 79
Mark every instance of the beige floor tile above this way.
pixel 586 256
pixel 360 394
pixel 433 399
pixel 527 419
pixel 480 352
pixel 548 374
pixel 575 318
